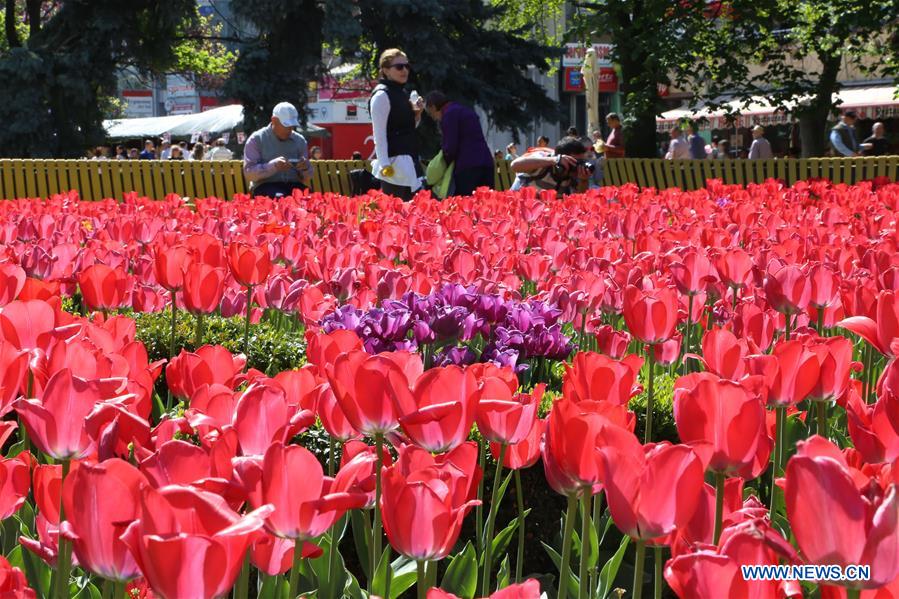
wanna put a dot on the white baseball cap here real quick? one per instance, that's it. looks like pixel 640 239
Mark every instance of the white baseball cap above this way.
pixel 287 114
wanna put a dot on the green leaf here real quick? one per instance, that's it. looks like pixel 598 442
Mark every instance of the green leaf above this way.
pixel 361 539
pixel 461 578
pixel 403 575
pixel 329 582
pixel 352 590
pixel 503 538
pixel 503 578
pixel 593 555
pixel 379 584
pixel 573 585
pixel 610 569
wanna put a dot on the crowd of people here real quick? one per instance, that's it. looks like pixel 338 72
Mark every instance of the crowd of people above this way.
pixel 166 150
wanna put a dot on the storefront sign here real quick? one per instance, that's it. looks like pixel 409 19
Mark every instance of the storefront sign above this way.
pixel 574 55
pixel 138 103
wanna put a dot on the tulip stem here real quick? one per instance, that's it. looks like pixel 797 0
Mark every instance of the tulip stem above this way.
pixel 638 570
pixel 479 509
pixel 821 411
pixel 719 504
pixel 687 335
pixel 295 569
pixel 376 529
pixel 787 318
pixel 853 593
pixel 108 589
pixel 586 506
pixel 491 520
pixel 597 522
pixel 118 590
pixel 199 331
pixel 519 497
pixel 246 327
pixel 422 580
pixel 242 588
pixel 566 546
pixel 63 566
pixel 778 450
pixel 657 579
pixel 174 326
pixel 647 433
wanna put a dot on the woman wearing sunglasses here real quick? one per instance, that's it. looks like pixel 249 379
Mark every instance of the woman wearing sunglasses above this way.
pixel 394 117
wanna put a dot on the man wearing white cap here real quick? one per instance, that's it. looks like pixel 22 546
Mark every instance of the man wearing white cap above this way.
pixel 276 158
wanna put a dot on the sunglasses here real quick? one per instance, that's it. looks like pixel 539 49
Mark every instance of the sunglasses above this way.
pixel 403 66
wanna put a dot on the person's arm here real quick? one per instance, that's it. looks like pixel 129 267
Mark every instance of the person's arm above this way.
pixel 532 162
pixel 754 150
pixel 304 167
pixel 254 168
pixel 380 110
pixel 837 142
pixel 449 126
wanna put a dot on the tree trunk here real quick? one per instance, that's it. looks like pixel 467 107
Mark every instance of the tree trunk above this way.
pixel 33 7
pixel 641 97
pixel 813 131
pixel 12 37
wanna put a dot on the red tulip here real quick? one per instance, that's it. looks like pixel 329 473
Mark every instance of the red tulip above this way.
pixel 692 272
pixel 333 419
pixel 574 434
pixel 705 575
pixel 787 288
pixel 734 266
pixel 15 482
pixel 611 342
pixel 874 428
pixel 359 463
pixel 306 503
pixel 725 425
pixel 204 287
pixel 12 281
pixel 249 265
pixel 458 468
pixel 103 288
pixel 189 544
pixel 724 354
pixel 825 286
pixel 170 265
pixel 651 315
pixel 834 362
pixel 754 324
pixel 208 250
pixel 13 370
pixel 651 490
pixel 369 389
pixel 13 584
pixel 47 490
pixel 55 422
pixel 27 324
pixel 596 377
pixel 508 419
pixel 100 500
pixel 322 349
pixel 667 352
pixel 187 372
pixel 422 518
pixel 526 452
pixel 274 556
pixel 859 528
pixel 792 371
pixel 882 332
pixel 443 408
pixel 262 417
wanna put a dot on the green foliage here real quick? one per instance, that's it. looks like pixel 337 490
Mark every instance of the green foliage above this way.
pixel 200 54
pixel 272 349
pixel 532 19
pixel 281 60
pixel 663 426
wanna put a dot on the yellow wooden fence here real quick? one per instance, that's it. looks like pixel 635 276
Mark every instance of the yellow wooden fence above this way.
pixel 99 179
pixel 692 174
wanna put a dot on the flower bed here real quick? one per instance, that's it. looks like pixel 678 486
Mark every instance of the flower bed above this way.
pixel 350 397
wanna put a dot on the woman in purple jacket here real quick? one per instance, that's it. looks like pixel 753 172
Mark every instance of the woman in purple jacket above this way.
pixel 463 143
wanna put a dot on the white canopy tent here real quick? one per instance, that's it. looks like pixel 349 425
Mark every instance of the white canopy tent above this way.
pixel 217 120
pixel 869 102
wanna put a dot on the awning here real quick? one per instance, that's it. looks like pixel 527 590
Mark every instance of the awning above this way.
pixel 217 120
pixel 876 102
